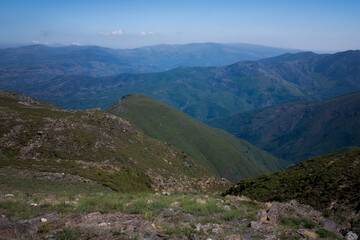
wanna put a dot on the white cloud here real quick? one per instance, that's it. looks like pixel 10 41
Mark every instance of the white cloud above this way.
pixel 118 32
pixel 147 33
pixel 76 44
pixel 38 42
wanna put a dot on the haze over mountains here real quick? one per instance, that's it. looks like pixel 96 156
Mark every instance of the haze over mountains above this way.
pixel 31 64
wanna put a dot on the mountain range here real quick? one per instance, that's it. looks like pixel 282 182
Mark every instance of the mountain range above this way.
pixel 29 65
pixel 210 92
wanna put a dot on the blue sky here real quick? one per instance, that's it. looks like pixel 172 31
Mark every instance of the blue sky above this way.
pixel 301 24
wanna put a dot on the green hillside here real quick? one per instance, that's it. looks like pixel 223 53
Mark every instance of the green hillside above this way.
pixel 330 183
pixel 92 144
pixel 215 149
pixel 296 131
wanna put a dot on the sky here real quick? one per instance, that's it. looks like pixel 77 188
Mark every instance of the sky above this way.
pixel 316 25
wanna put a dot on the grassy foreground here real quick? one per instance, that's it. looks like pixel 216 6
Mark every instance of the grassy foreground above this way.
pixel 85 210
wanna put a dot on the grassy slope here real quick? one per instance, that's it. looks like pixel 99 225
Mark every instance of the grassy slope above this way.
pixel 330 183
pixel 89 143
pixel 216 150
pixel 296 131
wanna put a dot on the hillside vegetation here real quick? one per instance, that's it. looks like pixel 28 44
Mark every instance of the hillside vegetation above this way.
pixel 94 145
pixel 296 131
pixel 214 149
pixel 329 183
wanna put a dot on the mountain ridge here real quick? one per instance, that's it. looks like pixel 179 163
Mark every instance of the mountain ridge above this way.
pixel 94 145
pixel 216 150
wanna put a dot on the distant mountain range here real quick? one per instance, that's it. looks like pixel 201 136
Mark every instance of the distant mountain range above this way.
pixel 211 92
pixel 30 64
pixel 216 150
pixel 296 131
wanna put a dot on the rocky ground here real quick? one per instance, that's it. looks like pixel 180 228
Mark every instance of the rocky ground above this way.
pixel 55 206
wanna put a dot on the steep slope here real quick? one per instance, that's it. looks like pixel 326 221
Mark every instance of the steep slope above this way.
pixel 94 145
pixel 296 131
pixel 329 183
pixel 216 150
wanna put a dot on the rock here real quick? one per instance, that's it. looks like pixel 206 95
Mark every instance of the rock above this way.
pixel 351 236
pixel 67 202
pixel 198 227
pixel 175 204
pixel 10 230
pixel 263 216
pixel 149 201
pixel 43 220
pixel 255 225
pixel 227 208
pixel 307 234
pixel 201 201
pixel 217 230
pixel 103 224
pixel 232 237
pixel 9 195
pixel 273 213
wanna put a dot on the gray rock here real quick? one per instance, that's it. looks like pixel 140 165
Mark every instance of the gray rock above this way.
pixel 273 213
pixel 351 236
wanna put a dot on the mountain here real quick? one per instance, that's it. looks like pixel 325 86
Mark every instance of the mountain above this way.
pixel 94 145
pixel 329 75
pixel 296 131
pixel 202 92
pixel 211 92
pixel 216 150
pixel 329 183
pixel 32 64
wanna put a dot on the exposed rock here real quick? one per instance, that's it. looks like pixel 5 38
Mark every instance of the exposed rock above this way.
pixel 11 230
pixel 273 214
pixel 307 234
pixel 175 204
pixel 227 208
pixel 217 230
pixel 9 195
pixel 351 236
pixel 233 237
pixel 255 225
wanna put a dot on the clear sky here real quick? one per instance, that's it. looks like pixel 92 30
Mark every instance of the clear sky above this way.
pixel 301 24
